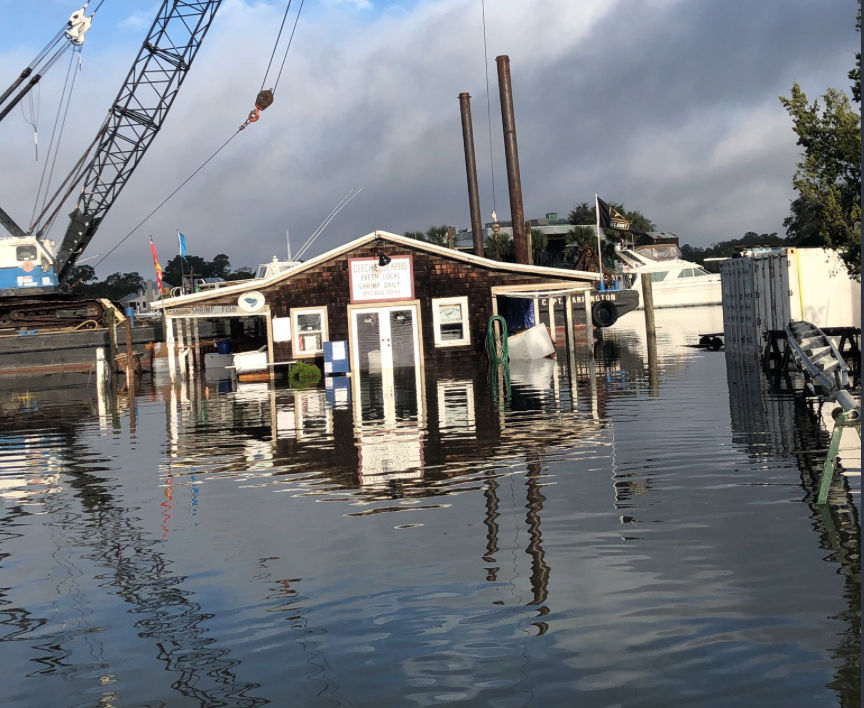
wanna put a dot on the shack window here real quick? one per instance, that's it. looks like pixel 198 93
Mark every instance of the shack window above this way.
pixel 25 253
pixel 450 321
pixel 310 330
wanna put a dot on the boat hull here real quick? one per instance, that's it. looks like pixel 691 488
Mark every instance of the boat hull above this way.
pixel 706 291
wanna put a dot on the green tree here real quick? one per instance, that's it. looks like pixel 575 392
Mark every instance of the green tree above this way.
pixel 828 176
pixel 539 242
pixel 437 235
pixel 80 277
pixel 220 266
pixel 499 247
pixel 417 235
pixel 582 213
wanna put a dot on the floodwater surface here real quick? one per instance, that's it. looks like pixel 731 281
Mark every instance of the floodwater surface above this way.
pixel 634 529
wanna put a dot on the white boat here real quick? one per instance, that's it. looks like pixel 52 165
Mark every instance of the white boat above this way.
pixel 674 281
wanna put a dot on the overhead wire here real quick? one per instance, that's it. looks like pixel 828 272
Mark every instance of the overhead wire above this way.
pixel 276 45
pixel 323 225
pixel 488 106
pixel 54 150
pixel 215 153
pixel 290 40
pixel 164 201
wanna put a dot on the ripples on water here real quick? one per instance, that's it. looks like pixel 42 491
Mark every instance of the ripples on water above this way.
pixel 628 535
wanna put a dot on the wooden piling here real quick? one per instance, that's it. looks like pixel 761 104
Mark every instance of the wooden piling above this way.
pixel 130 361
pixel 650 333
pixel 589 322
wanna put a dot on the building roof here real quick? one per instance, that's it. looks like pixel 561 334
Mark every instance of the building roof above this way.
pixel 559 273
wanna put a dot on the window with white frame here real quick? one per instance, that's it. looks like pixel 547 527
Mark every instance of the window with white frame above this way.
pixel 450 321
pixel 310 330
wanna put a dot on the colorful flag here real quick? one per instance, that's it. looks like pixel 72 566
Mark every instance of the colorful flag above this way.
pixel 609 218
pixel 156 265
pixel 182 239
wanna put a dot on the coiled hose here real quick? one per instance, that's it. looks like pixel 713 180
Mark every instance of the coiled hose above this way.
pixel 496 343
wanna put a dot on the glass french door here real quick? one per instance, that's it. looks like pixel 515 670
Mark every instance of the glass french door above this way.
pixel 386 361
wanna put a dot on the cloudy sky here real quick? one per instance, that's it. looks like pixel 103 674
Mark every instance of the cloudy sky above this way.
pixel 667 106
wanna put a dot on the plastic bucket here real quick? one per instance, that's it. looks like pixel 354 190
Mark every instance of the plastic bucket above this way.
pixel 223 346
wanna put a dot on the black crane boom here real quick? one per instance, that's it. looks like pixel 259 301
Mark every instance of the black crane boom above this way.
pixel 135 117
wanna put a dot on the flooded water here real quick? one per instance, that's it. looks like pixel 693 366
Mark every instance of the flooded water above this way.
pixel 639 529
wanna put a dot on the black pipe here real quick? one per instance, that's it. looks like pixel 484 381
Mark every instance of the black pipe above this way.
pixel 471 173
pixel 514 183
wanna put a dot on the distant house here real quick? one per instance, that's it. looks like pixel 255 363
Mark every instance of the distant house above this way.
pixel 147 293
pixel 552 226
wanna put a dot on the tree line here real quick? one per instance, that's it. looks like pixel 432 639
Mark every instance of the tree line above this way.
pixel 85 284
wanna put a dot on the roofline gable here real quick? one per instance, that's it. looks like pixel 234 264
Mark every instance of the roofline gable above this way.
pixel 442 251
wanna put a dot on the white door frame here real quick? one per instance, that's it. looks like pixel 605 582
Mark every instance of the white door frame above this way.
pixel 386 355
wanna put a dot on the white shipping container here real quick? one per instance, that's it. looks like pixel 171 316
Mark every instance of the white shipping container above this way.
pixel 763 291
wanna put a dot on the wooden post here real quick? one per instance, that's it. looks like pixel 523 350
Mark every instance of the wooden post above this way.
pixel 111 324
pixel 650 333
pixel 190 349
pixel 648 304
pixel 529 244
pixel 130 361
pixel 589 322
pixel 169 346
pixel 199 364
pixel 181 349
pixel 271 356
pixel 570 339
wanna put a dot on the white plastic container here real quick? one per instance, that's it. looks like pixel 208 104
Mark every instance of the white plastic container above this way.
pixel 764 291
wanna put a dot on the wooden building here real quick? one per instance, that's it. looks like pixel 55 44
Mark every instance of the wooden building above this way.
pixel 385 300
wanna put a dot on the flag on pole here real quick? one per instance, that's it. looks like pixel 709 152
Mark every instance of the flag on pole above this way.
pixel 156 265
pixel 182 239
pixel 609 218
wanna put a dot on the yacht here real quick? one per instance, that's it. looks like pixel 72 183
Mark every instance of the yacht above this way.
pixel 674 281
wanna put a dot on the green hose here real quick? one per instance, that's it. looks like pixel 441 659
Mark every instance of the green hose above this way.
pixel 496 343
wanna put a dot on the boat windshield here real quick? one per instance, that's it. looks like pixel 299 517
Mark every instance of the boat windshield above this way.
pixel 659 251
pixel 692 272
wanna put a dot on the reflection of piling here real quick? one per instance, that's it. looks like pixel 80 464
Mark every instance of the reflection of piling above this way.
pixel 511 153
pixel 539 567
pixel 471 173
pixel 650 332
pixel 490 492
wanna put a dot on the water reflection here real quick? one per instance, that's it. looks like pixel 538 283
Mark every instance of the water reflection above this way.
pixel 407 535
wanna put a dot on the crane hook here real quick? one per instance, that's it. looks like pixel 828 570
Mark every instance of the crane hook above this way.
pixel 263 100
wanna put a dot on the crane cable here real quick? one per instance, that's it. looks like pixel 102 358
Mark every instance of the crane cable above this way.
pixel 265 96
pixel 249 120
pixel 164 201
pixel 488 110
pixel 54 150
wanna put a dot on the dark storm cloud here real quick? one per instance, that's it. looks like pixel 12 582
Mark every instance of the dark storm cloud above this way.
pixel 667 106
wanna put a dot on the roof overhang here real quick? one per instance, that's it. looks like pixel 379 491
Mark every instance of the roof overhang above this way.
pixel 453 254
